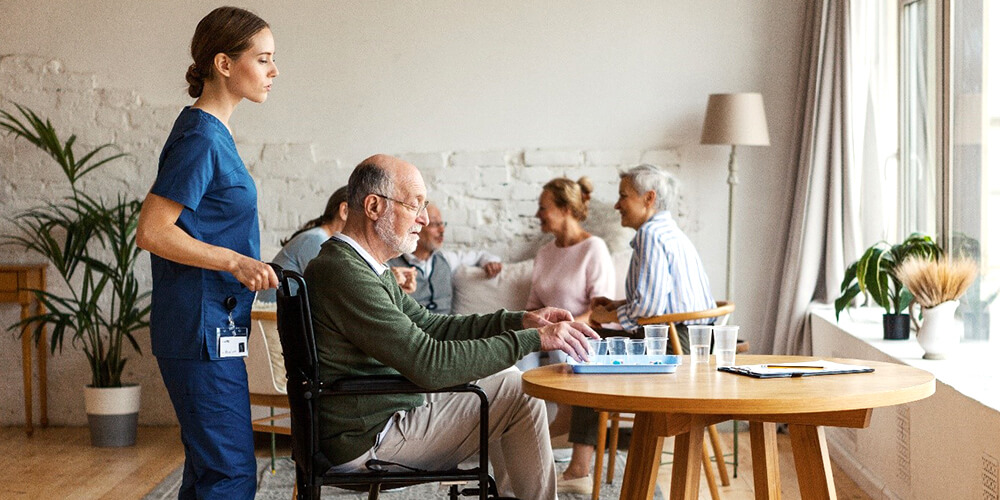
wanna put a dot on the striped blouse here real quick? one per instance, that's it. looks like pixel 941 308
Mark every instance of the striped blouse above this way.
pixel 665 274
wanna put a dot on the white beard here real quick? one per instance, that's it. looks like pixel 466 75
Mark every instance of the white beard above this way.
pixel 384 228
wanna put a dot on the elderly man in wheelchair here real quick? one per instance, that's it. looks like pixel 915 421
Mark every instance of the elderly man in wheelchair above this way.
pixel 366 325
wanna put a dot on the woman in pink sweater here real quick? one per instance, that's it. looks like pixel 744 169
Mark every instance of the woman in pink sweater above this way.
pixel 568 272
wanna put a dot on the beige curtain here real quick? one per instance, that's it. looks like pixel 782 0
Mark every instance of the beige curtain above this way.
pixel 823 229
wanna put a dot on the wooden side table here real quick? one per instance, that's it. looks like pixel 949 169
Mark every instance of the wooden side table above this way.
pixel 16 283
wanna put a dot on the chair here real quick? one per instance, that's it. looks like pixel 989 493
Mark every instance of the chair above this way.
pixel 266 374
pixel 721 313
pixel 305 387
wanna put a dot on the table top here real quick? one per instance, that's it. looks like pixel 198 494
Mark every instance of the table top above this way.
pixel 702 389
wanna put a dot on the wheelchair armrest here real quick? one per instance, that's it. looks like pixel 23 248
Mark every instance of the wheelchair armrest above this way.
pixel 388 384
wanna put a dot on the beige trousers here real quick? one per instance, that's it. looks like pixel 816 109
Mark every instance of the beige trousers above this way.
pixel 445 432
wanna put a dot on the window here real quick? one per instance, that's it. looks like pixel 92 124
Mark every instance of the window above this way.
pixel 926 121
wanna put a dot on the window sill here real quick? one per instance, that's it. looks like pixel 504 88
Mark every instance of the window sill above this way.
pixel 970 371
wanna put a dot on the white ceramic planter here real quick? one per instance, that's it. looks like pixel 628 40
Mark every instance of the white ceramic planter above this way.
pixel 113 414
pixel 940 332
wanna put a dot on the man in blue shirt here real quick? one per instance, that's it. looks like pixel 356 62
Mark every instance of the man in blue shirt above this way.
pixel 665 275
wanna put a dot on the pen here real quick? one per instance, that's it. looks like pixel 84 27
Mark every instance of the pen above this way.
pixel 796 367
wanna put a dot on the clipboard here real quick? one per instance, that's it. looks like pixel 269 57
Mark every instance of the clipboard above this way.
pixel 799 369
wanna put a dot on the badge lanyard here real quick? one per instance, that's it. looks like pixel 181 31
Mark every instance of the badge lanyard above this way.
pixel 231 339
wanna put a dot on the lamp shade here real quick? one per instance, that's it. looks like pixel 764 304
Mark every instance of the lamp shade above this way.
pixel 736 119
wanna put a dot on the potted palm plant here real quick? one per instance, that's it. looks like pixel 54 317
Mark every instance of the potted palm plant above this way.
pixel 90 241
pixel 874 276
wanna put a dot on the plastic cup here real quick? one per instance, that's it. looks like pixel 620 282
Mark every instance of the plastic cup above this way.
pixel 656 346
pixel 656 331
pixel 700 337
pixel 617 346
pixel 597 347
pixel 725 345
pixel 636 347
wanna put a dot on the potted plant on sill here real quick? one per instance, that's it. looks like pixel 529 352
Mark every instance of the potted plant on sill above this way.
pixel 91 244
pixel 936 286
pixel 874 276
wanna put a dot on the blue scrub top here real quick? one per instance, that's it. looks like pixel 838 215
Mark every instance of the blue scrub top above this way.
pixel 201 169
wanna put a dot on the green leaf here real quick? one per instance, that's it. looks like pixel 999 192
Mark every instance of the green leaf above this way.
pixel 91 244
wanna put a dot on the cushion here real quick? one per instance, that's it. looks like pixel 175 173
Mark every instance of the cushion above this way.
pixel 475 293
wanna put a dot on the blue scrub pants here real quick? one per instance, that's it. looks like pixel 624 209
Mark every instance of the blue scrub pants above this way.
pixel 212 402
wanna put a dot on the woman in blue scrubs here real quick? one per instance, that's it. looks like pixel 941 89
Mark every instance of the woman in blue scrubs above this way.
pixel 199 222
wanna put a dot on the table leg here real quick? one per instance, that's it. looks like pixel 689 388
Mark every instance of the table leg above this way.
pixel 812 462
pixel 602 434
pixel 643 464
pixel 764 456
pixel 26 367
pixel 43 375
pixel 686 473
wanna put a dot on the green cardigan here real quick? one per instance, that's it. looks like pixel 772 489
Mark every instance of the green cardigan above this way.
pixel 366 325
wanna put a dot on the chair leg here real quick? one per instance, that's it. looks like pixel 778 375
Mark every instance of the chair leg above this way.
pixel 613 447
pixel 720 456
pixel 372 492
pixel 706 462
pixel 602 434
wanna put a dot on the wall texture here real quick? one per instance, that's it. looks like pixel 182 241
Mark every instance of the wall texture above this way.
pixel 490 101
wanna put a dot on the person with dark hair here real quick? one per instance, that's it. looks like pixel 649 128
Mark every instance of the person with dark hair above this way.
pixel 372 327
pixel 568 273
pixel 199 223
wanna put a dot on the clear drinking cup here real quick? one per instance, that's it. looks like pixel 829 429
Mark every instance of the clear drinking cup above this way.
pixel 618 349
pixel 700 337
pixel 656 346
pixel 597 347
pixel 725 345
pixel 636 347
pixel 656 331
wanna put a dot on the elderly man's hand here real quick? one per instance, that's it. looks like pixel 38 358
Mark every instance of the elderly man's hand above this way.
pixel 492 268
pixel 544 316
pixel 406 277
pixel 569 337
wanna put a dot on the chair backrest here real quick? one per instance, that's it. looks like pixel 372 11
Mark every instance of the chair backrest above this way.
pixel 721 312
pixel 298 344
pixel 265 364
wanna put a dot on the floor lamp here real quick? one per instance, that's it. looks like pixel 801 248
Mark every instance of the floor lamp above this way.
pixel 734 120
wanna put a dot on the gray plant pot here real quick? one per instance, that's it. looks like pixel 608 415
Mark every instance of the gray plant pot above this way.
pixel 113 414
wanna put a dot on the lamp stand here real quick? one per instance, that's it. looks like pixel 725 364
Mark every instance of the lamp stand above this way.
pixel 733 181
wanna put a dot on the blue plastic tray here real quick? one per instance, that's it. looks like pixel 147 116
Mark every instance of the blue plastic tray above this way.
pixel 628 364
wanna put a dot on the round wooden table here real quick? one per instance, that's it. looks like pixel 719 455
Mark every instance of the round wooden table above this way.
pixel 681 404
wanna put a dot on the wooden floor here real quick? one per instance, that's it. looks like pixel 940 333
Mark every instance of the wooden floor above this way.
pixel 59 462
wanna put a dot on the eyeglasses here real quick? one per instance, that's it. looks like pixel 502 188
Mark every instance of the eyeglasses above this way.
pixel 416 209
pixel 437 224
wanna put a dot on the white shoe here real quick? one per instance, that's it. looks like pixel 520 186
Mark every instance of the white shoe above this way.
pixel 581 485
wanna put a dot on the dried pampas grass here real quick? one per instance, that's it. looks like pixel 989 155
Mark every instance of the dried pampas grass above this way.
pixel 935 281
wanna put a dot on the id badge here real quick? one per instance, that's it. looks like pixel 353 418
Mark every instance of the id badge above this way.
pixel 232 342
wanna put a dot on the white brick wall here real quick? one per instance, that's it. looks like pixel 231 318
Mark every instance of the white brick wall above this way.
pixel 488 197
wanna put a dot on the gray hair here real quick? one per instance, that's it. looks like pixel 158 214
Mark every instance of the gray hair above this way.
pixel 647 178
pixel 368 178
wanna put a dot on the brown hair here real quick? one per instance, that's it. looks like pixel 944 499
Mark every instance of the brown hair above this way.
pixel 330 214
pixel 225 30
pixel 572 195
